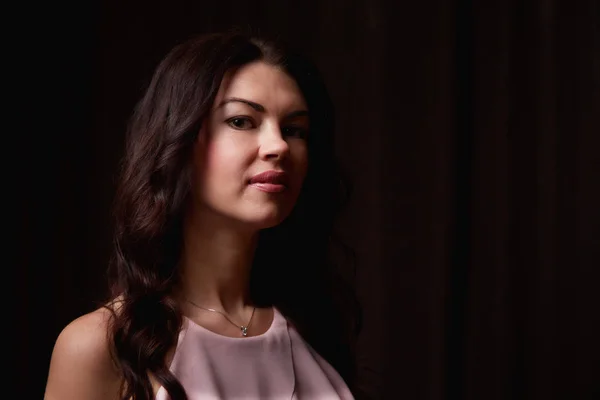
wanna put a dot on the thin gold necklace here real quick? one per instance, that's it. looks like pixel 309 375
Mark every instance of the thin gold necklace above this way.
pixel 243 328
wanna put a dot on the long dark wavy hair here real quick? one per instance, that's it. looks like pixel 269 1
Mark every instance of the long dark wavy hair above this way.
pixel 299 265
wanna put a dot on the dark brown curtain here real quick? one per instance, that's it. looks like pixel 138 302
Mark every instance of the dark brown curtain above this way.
pixel 471 131
pixel 531 279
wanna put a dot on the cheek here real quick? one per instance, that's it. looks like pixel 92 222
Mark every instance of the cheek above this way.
pixel 224 159
pixel 214 155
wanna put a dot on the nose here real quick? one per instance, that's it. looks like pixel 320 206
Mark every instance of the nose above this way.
pixel 272 143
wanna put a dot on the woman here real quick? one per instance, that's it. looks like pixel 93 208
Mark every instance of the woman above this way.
pixel 224 281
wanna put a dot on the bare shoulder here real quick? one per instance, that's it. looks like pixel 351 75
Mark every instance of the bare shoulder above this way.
pixel 81 366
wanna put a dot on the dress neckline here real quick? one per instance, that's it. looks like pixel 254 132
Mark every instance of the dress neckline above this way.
pixel 277 320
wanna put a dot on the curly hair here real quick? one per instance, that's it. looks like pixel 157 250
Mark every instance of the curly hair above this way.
pixel 314 290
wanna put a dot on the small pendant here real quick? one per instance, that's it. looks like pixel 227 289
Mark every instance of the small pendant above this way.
pixel 244 330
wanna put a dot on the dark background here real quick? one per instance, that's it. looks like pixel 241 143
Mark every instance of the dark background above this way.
pixel 471 131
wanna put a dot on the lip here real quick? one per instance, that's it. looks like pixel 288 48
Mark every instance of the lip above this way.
pixel 269 187
pixel 270 181
pixel 270 176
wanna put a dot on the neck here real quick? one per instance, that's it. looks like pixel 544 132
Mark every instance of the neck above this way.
pixel 216 262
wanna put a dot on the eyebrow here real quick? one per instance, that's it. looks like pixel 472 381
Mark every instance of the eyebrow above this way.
pixel 260 108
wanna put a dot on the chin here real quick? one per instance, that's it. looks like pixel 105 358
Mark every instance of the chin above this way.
pixel 266 222
pixel 264 219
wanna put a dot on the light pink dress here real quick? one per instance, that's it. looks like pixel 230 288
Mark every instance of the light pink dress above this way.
pixel 278 364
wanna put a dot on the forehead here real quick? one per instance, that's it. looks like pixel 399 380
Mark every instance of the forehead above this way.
pixel 262 83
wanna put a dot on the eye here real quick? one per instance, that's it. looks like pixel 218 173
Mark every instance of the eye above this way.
pixel 295 131
pixel 241 123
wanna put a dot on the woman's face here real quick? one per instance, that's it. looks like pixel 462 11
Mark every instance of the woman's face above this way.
pixel 258 124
